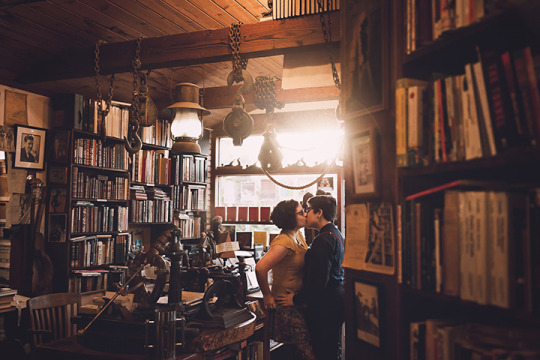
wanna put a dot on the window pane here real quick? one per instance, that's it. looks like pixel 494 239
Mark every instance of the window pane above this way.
pixel 259 190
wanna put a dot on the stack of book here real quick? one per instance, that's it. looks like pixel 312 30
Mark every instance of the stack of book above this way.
pixel 6 296
pixel 138 192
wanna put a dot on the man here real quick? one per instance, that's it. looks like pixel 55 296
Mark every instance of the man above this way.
pixel 27 153
pixel 322 292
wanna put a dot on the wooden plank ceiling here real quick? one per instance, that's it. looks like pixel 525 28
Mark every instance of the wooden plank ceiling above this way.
pixel 42 41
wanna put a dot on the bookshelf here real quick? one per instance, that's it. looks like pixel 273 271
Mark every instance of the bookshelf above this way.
pixel 465 250
pixel 88 195
pixel 167 190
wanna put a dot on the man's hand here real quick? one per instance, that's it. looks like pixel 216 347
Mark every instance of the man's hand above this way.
pixel 285 299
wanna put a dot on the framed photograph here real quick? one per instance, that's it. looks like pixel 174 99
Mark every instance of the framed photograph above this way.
pixel 365 164
pixel 59 146
pixel 370 244
pixel 57 228
pixel 367 312
pixel 364 56
pixel 30 147
pixel 58 175
pixel 7 138
pixel 57 201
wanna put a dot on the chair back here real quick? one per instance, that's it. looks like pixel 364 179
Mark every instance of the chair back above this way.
pixel 50 316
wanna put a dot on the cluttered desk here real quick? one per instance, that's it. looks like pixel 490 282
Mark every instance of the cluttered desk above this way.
pixel 203 310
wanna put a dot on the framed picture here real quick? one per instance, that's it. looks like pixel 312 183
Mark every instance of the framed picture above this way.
pixel 57 228
pixel 30 147
pixel 370 244
pixel 57 201
pixel 365 164
pixel 15 108
pixel 364 56
pixel 59 146
pixel 58 175
pixel 367 312
pixel 7 138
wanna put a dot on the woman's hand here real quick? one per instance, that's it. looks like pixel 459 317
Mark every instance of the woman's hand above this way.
pixel 269 302
pixel 285 299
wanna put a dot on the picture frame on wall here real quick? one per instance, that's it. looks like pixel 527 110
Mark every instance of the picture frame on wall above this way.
pixel 57 228
pixel 367 305
pixel 364 57
pixel 58 175
pixel 30 147
pixel 365 164
pixel 59 146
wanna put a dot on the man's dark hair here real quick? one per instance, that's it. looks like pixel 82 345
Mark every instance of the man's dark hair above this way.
pixel 284 214
pixel 326 203
pixel 28 137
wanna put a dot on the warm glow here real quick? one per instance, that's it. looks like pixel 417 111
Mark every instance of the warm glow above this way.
pixel 313 147
pixel 186 123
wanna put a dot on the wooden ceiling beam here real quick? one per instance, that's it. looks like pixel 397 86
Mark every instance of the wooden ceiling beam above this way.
pixel 266 38
pixel 223 97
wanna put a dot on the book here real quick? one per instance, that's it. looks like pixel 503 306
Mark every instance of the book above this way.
pixel 417 340
pixel 416 98
pixel 450 244
pixel 471 129
pixel 527 92
pixel 483 109
pixel 402 122
pixel 504 127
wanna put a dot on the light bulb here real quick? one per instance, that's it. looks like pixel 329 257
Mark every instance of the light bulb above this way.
pixel 186 124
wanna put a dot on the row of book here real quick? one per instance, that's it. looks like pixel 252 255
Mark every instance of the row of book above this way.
pixel 5 251
pixel 73 111
pixel 89 185
pixel 81 281
pixel 494 105
pixel 454 339
pixel 157 210
pixel 157 134
pixel 93 152
pixel 190 225
pixel 426 20
pixel 150 167
pixel 97 250
pixel 479 245
pixel 189 197
pixel 282 9
pixel 89 217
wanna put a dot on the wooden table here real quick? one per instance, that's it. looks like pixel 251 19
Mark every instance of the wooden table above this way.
pixel 207 340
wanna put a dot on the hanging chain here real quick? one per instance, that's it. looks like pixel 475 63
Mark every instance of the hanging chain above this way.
pixel 102 113
pixel 296 187
pixel 238 62
pixel 136 66
pixel 265 93
pixel 327 31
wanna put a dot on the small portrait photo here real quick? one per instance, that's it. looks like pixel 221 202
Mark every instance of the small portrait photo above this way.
pixel 60 141
pixel 57 202
pixel 30 148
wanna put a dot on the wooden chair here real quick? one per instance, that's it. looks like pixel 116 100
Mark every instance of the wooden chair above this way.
pixel 50 316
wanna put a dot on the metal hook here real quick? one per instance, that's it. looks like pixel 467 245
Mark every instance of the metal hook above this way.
pixel 135 139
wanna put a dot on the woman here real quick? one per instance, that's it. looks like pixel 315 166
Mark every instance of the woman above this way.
pixel 286 260
pixel 322 291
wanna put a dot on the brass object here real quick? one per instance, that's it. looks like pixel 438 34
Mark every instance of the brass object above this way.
pixel 270 156
pixel 238 124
